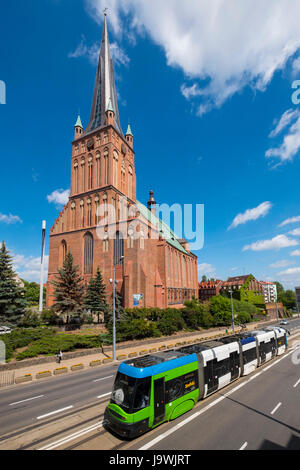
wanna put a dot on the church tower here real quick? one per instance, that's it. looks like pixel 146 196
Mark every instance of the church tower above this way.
pixel 103 225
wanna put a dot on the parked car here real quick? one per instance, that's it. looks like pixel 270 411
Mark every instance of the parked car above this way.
pixel 284 322
pixel 4 330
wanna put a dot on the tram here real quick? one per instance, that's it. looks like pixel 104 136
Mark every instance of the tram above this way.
pixel 159 387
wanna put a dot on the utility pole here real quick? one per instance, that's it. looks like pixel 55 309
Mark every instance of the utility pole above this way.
pixel 114 309
pixel 42 266
pixel 232 316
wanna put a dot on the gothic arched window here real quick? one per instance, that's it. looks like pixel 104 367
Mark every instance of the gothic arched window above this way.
pixel 118 249
pixel 88 253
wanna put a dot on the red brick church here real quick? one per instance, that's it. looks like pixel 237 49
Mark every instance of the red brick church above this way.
pixel 103 224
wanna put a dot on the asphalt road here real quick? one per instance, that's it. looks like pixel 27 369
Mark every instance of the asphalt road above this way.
pixel 24 405
pixel 35 402
pixel 258 412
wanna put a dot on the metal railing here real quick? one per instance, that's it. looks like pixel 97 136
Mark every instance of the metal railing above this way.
pixel 7 378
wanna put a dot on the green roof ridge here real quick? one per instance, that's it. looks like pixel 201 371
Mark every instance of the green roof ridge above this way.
pixel 167 233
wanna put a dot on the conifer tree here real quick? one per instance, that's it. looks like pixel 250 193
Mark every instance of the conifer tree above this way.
pixel 69 288
pixel 121 315
pixel 95 298
pixel 12 301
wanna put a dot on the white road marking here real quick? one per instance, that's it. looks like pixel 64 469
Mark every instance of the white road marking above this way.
pixel 218 400
pixel 104 378
pixel 71 437
pixel 55 412
pixel 276 408
pixel 105 395
pixel 297 383
pixel 27 399
pixel 244 446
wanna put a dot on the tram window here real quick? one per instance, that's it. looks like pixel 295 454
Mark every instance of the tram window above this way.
pixel 142 394
pixel 123 391
pixel 280 342
pixel 249 355
pixel 222 367
pixel 180 386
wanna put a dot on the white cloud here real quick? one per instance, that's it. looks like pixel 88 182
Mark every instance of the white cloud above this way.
pixel 251 214
pixel 92 52
pixel 207 270
pixel 295 232
pixel 290 145
pixel 295 253
pixel 10 219
pixel 59 196
pixel 29 268
pixel 291 220
pixel 222 46
pixel 284 121
pixel 282 264
pixel 276 243
pixel 290 272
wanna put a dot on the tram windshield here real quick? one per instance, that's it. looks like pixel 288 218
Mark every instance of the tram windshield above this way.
pixel 131 394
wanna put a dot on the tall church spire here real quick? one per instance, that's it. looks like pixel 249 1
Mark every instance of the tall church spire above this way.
pixel 105 88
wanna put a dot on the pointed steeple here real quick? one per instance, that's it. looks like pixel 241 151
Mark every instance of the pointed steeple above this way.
pixel 129 136
pixel 105 88
pixel 78 128
pixel 129 131
pixel 78 122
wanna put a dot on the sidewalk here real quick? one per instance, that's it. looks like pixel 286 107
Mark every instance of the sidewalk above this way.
pixel 49 369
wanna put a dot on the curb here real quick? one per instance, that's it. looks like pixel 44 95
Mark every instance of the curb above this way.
pixel 107 360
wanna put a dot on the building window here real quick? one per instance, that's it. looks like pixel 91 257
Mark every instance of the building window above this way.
pixel 83 175
pixel 105 244
pixel 82 213
pixel 90 175
pixel 97 209
pixel 106 163
pixel 88 253
pixel 115 168
pixel 89 212
pixel 63 251
pixel 75 187
pixel 130 173
pixel 118 249
pixel 98 169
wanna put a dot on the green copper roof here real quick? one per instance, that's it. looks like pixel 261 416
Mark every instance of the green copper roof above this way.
pixel 129 131
pixel 78 122
pixel 110 106
pixel 163 228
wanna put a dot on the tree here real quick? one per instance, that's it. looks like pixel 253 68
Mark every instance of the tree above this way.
pixel 220 309
pixel 12 302
pixel 95 298
pixel 204 278
pixel 286 297
pixel 69 288
pixel 32 293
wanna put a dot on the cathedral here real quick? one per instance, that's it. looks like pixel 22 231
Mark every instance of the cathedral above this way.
pixel 104 225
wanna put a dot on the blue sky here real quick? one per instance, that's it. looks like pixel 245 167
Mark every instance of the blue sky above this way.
pixel 208 91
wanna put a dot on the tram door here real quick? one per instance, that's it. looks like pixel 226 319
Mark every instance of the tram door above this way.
pixel 234 365
pixel 262 352
pixel 210 377
pixel 159 400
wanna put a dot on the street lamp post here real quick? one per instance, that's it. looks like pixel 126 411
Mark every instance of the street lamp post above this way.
pixel 114 309
pixel 42 267
pixel 232 316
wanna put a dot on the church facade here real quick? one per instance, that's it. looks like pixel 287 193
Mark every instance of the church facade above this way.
pixel 104 225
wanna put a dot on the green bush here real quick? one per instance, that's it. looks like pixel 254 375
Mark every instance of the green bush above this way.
pixel 30 319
